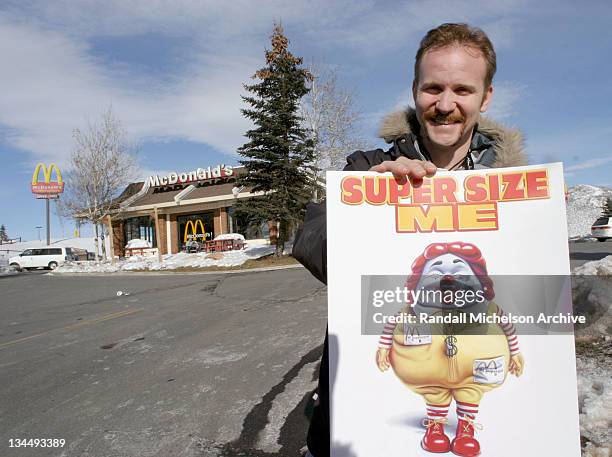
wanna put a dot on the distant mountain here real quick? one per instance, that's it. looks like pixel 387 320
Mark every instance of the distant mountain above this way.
pixel 584 207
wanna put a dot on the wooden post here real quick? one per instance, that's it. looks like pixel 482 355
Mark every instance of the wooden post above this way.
pixel 157 234
pixel 111 235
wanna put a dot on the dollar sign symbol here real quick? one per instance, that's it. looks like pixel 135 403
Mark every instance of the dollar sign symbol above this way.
pixel 451 348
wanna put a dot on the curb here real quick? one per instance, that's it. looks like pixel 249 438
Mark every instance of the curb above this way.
pixel 171 272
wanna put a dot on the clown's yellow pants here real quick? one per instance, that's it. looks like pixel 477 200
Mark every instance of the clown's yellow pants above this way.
pixel 480 365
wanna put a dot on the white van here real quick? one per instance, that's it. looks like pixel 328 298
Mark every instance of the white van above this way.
pixel 41 258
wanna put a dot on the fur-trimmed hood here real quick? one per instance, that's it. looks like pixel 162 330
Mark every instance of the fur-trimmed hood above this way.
pixel 508 143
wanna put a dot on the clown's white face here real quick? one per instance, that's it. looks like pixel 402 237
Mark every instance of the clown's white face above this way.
pixel 444 283
pixel 447 264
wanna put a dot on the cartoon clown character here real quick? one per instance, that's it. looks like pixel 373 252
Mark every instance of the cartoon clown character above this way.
pixel 444 363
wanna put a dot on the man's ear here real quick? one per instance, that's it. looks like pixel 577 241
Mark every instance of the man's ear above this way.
pixel 486 99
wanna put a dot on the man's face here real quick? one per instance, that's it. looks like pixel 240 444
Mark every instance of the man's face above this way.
pixel 450 94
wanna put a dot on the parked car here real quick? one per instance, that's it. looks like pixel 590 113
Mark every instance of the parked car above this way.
pixel 602 228
pixel 41 258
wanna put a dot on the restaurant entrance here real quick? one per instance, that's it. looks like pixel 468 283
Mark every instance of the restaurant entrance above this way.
pixel 195 227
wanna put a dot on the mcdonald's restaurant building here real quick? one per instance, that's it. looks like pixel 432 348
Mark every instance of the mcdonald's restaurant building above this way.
pixel 168 211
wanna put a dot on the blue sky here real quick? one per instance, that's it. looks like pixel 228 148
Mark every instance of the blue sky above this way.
pixel 173 73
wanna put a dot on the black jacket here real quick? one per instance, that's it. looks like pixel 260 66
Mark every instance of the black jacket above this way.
pixel 493 146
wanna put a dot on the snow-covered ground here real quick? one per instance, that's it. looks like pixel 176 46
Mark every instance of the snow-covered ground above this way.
pixel 592 295
pixel 171 261
pixel 601 267
pixel 584 207
pixel 595 400
pixel 6 271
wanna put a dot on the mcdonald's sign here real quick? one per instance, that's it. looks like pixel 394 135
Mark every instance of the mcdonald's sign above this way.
pixel 47 188
pixel 194 230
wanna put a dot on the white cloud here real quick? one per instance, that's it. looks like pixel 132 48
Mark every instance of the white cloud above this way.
pixel 577 144
pixel 54 86
pixel 52 83
pixel 505 96
pixel 402 101
pixel 211 18
pixel 591 163
pixel 375 27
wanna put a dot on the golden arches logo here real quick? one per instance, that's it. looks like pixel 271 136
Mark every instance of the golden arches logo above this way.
pixel 194 229
pixel 46 173
pixel 47 187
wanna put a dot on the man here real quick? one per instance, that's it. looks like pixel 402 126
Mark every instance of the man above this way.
pixel 453 75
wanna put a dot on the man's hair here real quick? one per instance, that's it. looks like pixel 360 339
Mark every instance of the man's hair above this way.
pixel 458 34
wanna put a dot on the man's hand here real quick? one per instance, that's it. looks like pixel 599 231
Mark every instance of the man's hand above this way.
pixel 382 359
pixel 517 363
pixel 402 168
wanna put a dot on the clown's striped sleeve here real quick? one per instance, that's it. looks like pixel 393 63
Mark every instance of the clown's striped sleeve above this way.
pixel 510 333
pixel 386 339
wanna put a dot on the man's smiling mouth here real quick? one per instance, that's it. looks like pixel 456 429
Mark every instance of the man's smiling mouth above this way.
pixel 444 122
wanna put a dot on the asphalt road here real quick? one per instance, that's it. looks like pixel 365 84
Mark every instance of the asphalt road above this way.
pixel 587 251
pixel 185 365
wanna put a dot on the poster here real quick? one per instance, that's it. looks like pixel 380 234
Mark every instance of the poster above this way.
pixel 502 386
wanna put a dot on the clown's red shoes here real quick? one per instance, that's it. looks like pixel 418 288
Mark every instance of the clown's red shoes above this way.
pixel 435 440
pixel 464 443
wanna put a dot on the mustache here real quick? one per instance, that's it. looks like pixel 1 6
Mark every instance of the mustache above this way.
pixel 437 117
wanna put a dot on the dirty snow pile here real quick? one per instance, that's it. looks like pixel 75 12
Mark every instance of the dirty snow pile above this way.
pixel 170 261
pixel 584 207
pixel 595 403
pixel 592 297
pixel 601 267
pixel 6 271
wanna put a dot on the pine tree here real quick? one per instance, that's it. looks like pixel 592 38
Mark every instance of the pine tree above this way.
pixel 607 208
pixel 3 234
pixel 279 156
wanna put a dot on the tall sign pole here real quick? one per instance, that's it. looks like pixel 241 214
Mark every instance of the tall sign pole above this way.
pixel 48 223
pixel 47 189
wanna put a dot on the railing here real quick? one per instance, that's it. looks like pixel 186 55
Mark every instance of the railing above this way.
pixel 129 252
pixel 223 245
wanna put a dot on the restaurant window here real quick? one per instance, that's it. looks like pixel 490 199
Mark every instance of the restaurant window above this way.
pixel 199 227
pixel 142 228
pixel 250 231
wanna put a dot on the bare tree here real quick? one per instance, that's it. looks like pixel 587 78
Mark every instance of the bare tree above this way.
pixel 101 165
pixel 330 113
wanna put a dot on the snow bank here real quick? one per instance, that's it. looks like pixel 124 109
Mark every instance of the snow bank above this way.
pixel 138 243
pixel 591 295
pixel 595 403
pixel 601 267
pixel 169 261
pixel 6 271
pixel 584 207
pixel 230 236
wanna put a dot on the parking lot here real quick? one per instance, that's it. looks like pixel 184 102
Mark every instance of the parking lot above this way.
pixel 174 365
